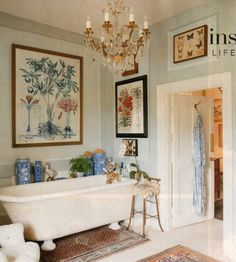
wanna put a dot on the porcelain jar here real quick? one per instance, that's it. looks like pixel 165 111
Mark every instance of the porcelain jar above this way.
pixel 23 171
pixel 38 171
pixel 99 163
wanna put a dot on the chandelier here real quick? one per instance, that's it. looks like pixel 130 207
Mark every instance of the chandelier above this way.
pixel 119 45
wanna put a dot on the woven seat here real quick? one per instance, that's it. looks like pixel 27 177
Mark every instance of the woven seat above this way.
pixel 146 189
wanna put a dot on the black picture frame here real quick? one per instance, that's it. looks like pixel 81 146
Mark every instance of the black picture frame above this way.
pixel 131 107
pixel 131 146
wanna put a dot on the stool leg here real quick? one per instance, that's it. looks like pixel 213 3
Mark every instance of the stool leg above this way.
pixel 158 213
pixel 144 216
pixel 131 211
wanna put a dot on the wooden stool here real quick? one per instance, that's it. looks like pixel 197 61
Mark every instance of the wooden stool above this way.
pixel 147 189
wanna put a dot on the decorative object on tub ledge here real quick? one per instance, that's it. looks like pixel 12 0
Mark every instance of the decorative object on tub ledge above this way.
pixel 89 156
pixel 23 169
pixel 99 159
pixel 93 245
pixel 111 172
pixel 79 166
pixel 137 173
pixel 47 97
pixel 50 173
pixel 38 171
pixel 177 254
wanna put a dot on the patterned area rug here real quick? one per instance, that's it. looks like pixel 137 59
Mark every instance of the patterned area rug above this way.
pixel 92 245
pixel 178 254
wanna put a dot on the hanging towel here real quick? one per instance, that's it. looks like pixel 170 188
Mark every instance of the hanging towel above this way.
pixel 198 162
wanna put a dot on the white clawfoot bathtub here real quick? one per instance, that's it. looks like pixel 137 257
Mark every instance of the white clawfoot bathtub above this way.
pixel 51 210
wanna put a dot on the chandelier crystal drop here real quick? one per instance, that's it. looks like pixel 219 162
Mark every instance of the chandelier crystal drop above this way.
pixel 119 45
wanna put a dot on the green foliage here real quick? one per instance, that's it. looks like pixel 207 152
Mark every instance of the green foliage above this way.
pixel 79 164
pixel 47 78
pixel 138 174
pixel 137 92
pixel 125 121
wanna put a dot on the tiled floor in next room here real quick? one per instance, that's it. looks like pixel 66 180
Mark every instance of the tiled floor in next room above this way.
pixel 205 238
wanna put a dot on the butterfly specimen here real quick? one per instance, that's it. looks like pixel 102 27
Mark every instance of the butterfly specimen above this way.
pixel 180 51
pixel 180 38
pixel 190 53
pixel 200 32
pixel 190 36
pixel 199 45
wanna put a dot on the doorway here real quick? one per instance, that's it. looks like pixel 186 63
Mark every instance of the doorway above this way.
pixel 163 154
pixel 186 107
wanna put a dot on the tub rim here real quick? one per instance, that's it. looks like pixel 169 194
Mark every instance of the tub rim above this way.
pixel 33 198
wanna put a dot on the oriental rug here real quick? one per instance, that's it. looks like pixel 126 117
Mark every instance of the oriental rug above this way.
pixel 92 245
pixel 178 254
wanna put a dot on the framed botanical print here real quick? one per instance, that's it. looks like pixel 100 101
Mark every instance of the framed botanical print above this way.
pixel 47 97
pixel 131 147
pixel 131 107
pixel 190 44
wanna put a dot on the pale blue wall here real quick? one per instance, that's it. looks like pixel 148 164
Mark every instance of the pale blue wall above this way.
pixel 156 66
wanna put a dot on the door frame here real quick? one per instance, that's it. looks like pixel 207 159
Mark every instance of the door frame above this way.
pixel 164 150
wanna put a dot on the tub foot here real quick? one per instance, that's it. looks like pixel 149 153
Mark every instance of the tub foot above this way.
pixel 48 245
pixel 114 226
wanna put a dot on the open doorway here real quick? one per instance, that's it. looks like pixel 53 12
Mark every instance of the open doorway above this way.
pixel 163 156
pixel 213 131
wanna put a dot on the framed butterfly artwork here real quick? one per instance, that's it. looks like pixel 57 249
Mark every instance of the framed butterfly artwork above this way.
pixel 190 44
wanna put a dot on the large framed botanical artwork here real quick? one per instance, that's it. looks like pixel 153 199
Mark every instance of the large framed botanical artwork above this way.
pixel 47 97
pixel 131 107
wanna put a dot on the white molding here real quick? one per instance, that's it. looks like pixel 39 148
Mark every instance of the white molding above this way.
pixel 164 92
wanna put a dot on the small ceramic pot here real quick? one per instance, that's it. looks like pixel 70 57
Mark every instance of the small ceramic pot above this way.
pixel 23 171
pixel 38 171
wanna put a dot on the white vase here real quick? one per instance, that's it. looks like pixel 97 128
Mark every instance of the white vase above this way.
pixel 80 174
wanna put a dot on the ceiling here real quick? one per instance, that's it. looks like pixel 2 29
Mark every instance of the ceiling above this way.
pixel 72 14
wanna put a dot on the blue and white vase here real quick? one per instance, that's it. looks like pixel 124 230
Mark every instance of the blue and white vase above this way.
pixel 23 171
pixel 38 171
pixel 99 163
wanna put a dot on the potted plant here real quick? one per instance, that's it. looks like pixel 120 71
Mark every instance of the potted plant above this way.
pixel 79 166
pixel 136 173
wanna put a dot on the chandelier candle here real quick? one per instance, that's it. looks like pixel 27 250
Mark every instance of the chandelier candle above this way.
pixel 119 45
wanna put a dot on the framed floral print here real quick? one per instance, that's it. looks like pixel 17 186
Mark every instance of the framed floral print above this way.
pixel 190 44
pixel 47 97
pixel 131 107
